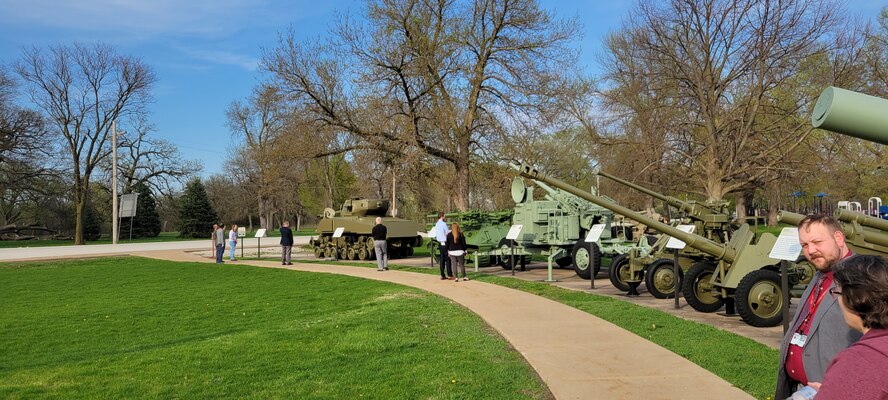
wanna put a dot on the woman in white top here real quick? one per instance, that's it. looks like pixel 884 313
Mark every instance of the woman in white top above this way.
pixel 232 241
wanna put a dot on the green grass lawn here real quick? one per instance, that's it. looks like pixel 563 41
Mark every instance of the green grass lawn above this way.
pixel 745 363
pixel 132 327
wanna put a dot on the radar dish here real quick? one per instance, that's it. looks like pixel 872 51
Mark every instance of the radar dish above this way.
pixel 519 190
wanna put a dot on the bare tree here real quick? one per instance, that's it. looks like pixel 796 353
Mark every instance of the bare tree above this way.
pixel 428 76
pixel 81 89
pixel 154 162
pixel 737 75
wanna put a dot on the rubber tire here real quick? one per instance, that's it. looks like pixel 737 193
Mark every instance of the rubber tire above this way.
pixel 505 260
pixel 617 263
pixel 696 275
pixel 593 254
pixel 650 275
pixel 748 308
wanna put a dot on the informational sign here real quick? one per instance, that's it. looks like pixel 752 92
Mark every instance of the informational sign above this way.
pixel 241 231
pixel 594 233
pixel 787 246
pixel 260 233
pixel 338 232
pixel 128 204
pixel 677 244
pixel 514 231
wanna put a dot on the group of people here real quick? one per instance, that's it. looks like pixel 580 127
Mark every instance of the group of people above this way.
pixel 218 238
pixel 451 249
pixel 837 344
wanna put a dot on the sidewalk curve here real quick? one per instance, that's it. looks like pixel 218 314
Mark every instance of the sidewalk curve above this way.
pixel 617 364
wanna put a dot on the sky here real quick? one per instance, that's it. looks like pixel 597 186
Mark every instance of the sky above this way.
pixel 205 53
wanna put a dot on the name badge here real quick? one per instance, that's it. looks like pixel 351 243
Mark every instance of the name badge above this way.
pixel 799 340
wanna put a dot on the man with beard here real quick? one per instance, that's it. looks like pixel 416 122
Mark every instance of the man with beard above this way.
pixel 818 331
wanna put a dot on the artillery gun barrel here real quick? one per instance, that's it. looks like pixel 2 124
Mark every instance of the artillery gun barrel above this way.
pixel 791 218
pixel 692 240
pixel 672 201
pixel 853 114
pixel 862 219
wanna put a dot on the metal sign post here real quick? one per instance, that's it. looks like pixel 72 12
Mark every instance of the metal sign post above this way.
pixel 786 249
pixel 260 233
pixel 128 205
pixel 592 237
pixel 513 233
pixel 677 245
pixel 241 233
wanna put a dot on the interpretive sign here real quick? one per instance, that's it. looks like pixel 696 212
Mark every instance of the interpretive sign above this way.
pixel 514 231
pixel 787 246
pixel 677 244
pixel 595 233
pixel 338 232
pixel 260 233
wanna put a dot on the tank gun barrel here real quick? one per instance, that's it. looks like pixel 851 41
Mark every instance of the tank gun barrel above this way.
pixel 852 114
pixel 692 240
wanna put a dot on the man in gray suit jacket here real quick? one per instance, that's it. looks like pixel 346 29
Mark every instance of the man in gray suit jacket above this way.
pixel 818 331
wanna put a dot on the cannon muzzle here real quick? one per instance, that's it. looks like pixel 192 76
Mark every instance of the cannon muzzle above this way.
pixel 853 114
pixel 698 211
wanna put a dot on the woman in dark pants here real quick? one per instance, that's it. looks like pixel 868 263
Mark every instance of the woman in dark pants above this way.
pixel 456 249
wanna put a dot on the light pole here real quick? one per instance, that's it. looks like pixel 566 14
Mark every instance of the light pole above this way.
pixel 114 182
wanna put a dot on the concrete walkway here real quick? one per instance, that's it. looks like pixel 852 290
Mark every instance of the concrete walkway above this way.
pixel 555 339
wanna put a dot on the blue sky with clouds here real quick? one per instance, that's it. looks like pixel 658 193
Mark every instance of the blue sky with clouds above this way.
pixel 205 53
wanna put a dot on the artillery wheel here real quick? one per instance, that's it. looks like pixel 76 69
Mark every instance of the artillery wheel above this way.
pixel 505 260
pixel 363 254
pixel 759 298
pixel 619 272
pixel 659 278
pixel 697 288
pixel 586 255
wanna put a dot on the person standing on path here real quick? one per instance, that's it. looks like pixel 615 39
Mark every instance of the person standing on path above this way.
pixel 286 243
pixel 441 232
pixel 380 246
pixel 456 250
pixel 232 241
pixel 219 240
pixel 818 331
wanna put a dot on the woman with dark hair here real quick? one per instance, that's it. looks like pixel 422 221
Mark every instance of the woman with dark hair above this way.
pixel 456 249
pixel 860 371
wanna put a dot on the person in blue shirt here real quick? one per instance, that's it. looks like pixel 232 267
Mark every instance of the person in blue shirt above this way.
pixel 441 231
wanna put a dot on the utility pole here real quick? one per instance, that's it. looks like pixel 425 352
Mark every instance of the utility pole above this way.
pixel 114 182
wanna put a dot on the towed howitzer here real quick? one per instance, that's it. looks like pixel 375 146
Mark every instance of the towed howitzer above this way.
pixel 710 219
pixel 741 273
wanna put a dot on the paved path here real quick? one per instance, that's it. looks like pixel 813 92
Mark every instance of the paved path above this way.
pixel 616 365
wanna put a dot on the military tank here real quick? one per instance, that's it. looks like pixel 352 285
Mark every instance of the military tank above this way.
pixel 358 216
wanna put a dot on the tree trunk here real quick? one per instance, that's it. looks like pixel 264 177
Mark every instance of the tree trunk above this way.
pixel 79 214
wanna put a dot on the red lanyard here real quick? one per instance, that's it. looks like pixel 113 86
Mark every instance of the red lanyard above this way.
pixel 812 308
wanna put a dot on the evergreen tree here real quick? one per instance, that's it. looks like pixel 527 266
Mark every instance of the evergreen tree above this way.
pixel 147 220
pixel 196 214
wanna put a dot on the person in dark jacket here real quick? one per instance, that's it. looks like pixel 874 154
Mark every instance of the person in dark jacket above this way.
pixel 456 250
pixel 380 246
pixel 286 243
pixel 860 371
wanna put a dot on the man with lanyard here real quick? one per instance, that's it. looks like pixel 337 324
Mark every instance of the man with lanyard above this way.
pixel 441 231
pixel 818 331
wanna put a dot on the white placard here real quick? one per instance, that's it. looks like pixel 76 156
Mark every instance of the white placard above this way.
pixel 677 244
pixel 595 233
pixel 338 232
pixel 260 233
pixel 128 205
pixel 241 231
pixel 514 231
pixel 429 234
pixel 787 246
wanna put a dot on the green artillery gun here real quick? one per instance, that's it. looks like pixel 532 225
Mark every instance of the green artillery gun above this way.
pixel 741 267
pixel 358 216
pixel 711 219
pixel 556 226
pixel 484 231
pixel 852 114
pixel 863 234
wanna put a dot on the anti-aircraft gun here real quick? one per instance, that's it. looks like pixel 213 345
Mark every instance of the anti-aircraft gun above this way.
pixel 731 262
pixel 711 220
pixel 556 226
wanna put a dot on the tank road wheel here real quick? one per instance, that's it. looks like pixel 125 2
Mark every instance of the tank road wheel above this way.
pixel 659 278
pixel 619 272
pixel 697 288
pixel 319 251
pixel 362 253
pixel 587 259
pixel 409 251
pixel 352 255
pixel 759 298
